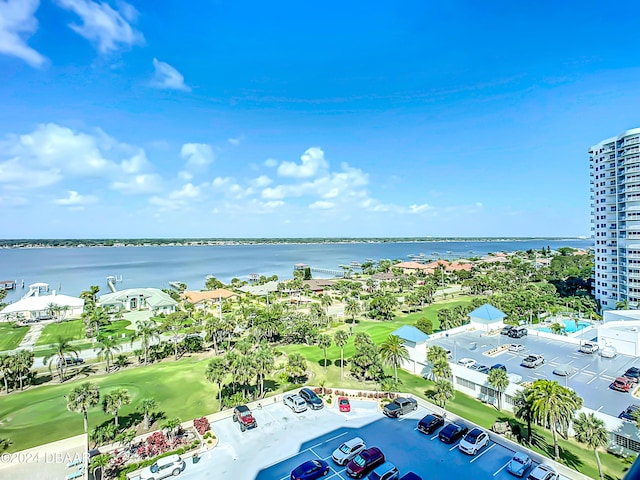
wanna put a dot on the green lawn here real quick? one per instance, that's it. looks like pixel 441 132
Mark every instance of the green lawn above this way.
pixel 39 415
pixel 10 337
pixel 70 329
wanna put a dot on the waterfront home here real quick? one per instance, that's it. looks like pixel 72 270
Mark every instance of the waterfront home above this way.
pixel 38 304
pixel 7 284
pixel 209 298
pixel 319 285
pixel 133 299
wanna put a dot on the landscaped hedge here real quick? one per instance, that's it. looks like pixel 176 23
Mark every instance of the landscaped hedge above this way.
pixel 122 474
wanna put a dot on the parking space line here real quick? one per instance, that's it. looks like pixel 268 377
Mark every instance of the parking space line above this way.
pixel 434 437
pixel 274 418
pixel 328 440
pixel 455 446
pixel 594 378
pixel 501 468
pixel 478 456
pixel 589 372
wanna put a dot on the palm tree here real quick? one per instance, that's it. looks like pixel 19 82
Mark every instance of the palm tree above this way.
pixel 442 392
pixel 522 408
pixel 441 370
pixel 591 431
pixel 393 353
pixel 114 401
pixel 324 342
pixel 352 308
pixel 326 301
pixel 147 405
pixel 445 317
pixel 21 364
pixel 147 331
pixel 554 406
pixel 61 347
pixel 174 323
pixel 340 339
pixel 106 348
pixel 5 443
pixel 170 426
pixel 216 372
pixel 5 368
pixel 100 462
pixel 557 328
pixel 263 361
pixel 499 380
pixel 435 353
pixel 81 399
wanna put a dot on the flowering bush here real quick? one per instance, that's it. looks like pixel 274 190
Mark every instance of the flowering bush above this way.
pixel 156 444
pixel 201 425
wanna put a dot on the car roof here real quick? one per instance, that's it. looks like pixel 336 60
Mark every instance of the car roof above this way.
pixel 242 408
pixel 353 441
pixel 385 467
pixel 168 460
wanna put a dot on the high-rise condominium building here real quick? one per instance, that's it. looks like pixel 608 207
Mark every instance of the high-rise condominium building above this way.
pixel 615 209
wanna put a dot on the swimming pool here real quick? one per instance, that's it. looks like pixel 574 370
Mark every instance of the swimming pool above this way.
pixel 569 326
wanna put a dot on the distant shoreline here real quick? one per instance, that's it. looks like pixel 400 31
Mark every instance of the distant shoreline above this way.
pixel 200 242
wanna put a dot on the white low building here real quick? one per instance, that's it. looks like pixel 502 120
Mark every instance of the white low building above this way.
pixel 38 304
pixel 415 341
pixel 133 299
pixel 620 330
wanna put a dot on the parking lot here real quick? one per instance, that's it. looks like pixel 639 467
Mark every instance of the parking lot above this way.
pixel 284 440
pixel 591 379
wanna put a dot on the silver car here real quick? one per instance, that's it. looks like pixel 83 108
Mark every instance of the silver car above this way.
pixel 348 450
pixel 295 403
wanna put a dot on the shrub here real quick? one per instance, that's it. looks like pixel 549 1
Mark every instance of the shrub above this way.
pixel 328 391
pixel 201 425
pixel 425 325
pixel 329 400
pixel 317 390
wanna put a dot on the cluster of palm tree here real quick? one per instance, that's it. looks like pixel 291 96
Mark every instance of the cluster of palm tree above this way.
pixel 243 365
pixel 441 375
pixel 16 369
pixel 63 349
pixel 458 315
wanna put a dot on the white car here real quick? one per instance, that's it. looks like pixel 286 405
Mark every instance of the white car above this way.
pixel 474 441
pixel 163 468
pixel 589 347
pixel 295 402
pixel 608 352
pixel 348 450
pixel 467 362
pixel 543 472
pixel 516 347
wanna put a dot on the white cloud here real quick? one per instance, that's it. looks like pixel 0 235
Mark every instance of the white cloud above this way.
pixel 14 175
pixel 136 163
pixel 270 162
pixel 220 182
pixel 420 208
pixel 178 198
pixel 75 200
pixel 323 205
pixel 167 77
pixel 17 21
pixel 262 181
pixel 234 141
pixel 197 155
pixel 104 26
pixel 139 184
pixel 312 163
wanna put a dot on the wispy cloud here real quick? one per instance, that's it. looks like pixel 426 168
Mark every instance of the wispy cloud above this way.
pixel 109 29
pixel 75 200
pixel 17 21
pixel 167 77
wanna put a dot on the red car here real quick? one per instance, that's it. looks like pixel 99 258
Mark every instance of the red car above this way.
pixel 364 462
pixel 343 404
pixel 622 384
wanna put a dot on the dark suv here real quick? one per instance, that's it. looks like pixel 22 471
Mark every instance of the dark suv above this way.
pixel 518 332
pixel 313 400
pixel 244 417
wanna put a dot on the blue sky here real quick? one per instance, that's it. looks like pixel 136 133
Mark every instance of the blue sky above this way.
pixel 276 119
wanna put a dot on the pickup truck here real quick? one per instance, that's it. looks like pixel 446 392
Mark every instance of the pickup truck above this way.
pixel 532 361
pixel 400 406
pixel 589 347
pixel 243 416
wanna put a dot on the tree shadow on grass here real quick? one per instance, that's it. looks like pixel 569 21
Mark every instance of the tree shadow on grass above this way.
pixel 131 420
pixel 337 363
pixel 325 365
pixel 569 458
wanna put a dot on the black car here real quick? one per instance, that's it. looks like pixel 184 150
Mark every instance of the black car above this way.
pixel 498 366
pixel 452 432
pixel 313 400
pixel 632 374
pixel 629 413
pixel 430 423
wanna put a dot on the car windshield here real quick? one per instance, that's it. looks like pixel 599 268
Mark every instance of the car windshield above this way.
pixel 154 468
pixel 473 435
pixel 344 448
pixel 359 461
pixel 518 459
pixel 344 401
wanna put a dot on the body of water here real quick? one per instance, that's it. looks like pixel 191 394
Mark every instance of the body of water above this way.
pixel 72 270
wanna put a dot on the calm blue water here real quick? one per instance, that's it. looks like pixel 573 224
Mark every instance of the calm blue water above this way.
pixel 72 270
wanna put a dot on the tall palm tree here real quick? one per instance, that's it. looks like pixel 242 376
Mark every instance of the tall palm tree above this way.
pixel 216 372
pixel 171 426
pixel 324 342
pixel 147 405
pixel 554 406
pixel 106 348
pixel 100 462
pixel 499 380
pixel 264 361
pixel 352 308
pixel 61 347
pixel 114 401
pixel 591 431
pixel 393 353
pixel 442 392
pixel 96 317
pixel 441 369
pixel 435 353
pixel 21 364
pixel 5 368
pixel 81 399
pixel 523 409
pixel 326 301
pixel 147 330
pixel 340 339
